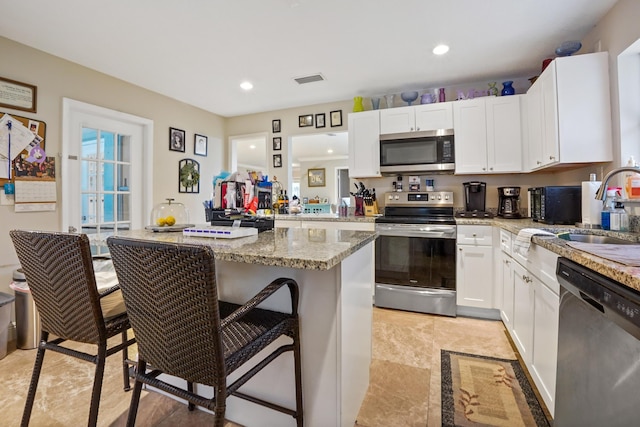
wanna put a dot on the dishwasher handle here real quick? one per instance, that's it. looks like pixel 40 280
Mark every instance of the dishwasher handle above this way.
pixel 595 304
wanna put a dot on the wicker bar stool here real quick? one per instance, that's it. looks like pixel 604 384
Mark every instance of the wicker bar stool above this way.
pixel 59 270
pixel 184 330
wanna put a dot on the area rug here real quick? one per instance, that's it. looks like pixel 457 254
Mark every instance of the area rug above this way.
pixel 487 391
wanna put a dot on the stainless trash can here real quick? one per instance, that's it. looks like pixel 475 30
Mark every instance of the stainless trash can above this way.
pixel 27 317
pixel 5 318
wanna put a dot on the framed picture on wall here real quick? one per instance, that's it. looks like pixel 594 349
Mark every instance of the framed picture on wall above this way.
pixel 275 126
pixel 320 120
pixel 176 139
pixel 200 143
pixel 277 160
pixel 336 118
pixel 316 177
pixel 305 121
pixel 277 143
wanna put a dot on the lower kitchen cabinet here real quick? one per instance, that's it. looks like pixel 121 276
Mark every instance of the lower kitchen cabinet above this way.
pixel 474 266
pixel 523 300
pixel 506 307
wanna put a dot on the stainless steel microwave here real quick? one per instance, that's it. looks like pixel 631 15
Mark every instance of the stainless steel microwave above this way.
pixel 417 152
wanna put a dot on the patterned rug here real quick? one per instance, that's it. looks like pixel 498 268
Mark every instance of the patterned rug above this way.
pixel 486 391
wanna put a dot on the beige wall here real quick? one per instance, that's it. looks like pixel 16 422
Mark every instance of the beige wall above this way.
pixel 55 79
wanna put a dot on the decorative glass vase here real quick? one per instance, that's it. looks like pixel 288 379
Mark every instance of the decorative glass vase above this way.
pixel 375 103
pixel 357 104
pixel 493 90
pixel 389 99
pixel 507 88
pixel 441 95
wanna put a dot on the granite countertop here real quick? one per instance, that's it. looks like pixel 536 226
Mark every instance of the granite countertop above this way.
pixel 324 217
pixel 304 248
pixel 626 275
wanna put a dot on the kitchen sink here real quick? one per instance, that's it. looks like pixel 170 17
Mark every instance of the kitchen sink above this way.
pixel 594 238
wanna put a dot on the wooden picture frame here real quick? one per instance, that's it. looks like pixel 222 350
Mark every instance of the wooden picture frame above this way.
pixel 176 139
pixel 305 121
pixel 275 126
pixel 200 145
pixel 320 122
pixel 336 118
pixel 277 160
pixel 277 143
pixel 316 177
pixel 18 95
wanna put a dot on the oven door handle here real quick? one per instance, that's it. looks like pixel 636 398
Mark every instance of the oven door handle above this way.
pixel 446 234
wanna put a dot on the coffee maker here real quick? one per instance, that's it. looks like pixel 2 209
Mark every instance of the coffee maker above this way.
pixel 509 202
pixel 475 198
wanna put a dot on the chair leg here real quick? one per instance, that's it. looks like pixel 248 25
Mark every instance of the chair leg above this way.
pixel 135 395
pixel 35 377
pixel 97 384
pixel 125 363
pixel 221 406
pixel 190 405
pixel 297 360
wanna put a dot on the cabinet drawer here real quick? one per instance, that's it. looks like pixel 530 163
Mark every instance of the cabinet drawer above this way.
pixel 478 235
pixel 506 241
pixel 542 264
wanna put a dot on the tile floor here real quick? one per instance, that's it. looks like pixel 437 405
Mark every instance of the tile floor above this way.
pixel 404 389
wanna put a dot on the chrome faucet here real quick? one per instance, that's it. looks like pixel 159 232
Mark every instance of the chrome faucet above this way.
pixel 602 191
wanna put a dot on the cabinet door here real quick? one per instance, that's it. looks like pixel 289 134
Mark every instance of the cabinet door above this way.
pixel 364 144
pixel 545 342
pixel 504 133
pixel 434 116
pixel 469 121
pixel 523 299
pixel 397 120
pixel 535 125
pixel 550 142
pixel 474 276
pixel 506 310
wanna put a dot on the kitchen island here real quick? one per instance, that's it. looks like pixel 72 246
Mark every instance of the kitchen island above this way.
pixel 335 272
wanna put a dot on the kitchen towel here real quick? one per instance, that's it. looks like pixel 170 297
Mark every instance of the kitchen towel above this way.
pixel 523 239
pixel 591 207
pixel 623 254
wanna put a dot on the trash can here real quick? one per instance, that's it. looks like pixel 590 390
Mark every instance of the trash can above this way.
pixel 5 318
pixel 27 317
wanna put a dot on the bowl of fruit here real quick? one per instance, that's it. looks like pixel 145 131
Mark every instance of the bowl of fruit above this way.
pixel 169 216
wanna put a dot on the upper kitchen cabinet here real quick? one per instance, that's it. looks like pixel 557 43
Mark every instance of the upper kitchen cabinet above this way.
pixel 488 135
pixel 364 144
pixel 569 112
pixel 421 117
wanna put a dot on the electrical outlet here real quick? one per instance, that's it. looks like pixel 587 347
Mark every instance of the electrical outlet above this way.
pixel 6 199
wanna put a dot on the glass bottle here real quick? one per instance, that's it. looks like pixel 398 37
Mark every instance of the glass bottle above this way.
pixel 441 95
pixel 619 218
pixel 607 209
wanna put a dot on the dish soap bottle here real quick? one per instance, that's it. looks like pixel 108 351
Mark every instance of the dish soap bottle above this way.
pixel 632 181
pixel 607 209
pixel 619 218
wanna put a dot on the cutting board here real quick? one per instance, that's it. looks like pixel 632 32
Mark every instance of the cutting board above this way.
pixel 623 254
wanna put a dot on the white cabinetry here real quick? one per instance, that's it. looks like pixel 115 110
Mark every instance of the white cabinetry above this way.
pixel 364 144
pixel 474 266
pixel 421 117
pixel 535 317
pixel 488 135
pixel 505 279
pixel 569 112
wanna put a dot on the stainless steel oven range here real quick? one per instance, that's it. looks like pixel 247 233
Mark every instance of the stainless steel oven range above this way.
pixel 416 253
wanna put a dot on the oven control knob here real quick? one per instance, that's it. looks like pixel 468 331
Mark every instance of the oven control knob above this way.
pixel 397 197
pixel 439 197
pixel 390 196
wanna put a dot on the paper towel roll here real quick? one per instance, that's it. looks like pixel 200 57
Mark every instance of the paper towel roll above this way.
pixel 591 207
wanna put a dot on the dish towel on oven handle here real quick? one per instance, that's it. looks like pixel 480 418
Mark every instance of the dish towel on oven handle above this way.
pixel 523 239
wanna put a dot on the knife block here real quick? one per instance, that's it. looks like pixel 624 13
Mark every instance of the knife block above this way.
pixel 370 208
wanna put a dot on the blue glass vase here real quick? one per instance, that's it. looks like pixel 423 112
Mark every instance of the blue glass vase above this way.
pixel 507 88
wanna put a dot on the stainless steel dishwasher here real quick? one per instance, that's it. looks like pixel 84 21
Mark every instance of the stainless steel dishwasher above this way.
pixel 598 380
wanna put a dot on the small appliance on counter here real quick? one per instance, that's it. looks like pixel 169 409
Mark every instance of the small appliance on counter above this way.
pixel 556 204
pixel 475 198
pixel 509 202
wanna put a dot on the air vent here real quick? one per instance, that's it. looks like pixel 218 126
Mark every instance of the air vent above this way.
pixel 309 79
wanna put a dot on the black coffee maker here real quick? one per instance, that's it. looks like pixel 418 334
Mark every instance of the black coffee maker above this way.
pixel 475 198
pixel 509 202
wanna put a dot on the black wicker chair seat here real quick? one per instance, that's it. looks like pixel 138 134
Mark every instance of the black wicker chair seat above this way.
pixel 183 330
pixel 59 270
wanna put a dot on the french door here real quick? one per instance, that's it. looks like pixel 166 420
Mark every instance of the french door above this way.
pixel 106 171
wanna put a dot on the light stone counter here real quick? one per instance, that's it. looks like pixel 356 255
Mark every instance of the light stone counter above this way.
pixel 325 217
pixel 626 275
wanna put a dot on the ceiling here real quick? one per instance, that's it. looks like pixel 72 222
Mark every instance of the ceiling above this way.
pixel 200 51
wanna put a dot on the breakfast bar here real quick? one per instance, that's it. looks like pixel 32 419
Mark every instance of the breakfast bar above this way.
pixel 335 272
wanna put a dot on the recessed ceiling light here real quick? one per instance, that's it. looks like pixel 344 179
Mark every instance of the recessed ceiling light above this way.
pixel 253 147
pixel 329 151
pixel 441 49
pixel 246 85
